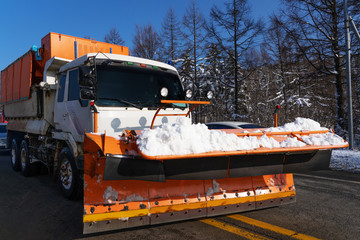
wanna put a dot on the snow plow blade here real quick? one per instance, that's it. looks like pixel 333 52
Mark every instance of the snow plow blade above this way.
pixel 125 188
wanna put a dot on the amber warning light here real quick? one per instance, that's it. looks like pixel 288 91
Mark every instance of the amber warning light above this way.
pixel 276 115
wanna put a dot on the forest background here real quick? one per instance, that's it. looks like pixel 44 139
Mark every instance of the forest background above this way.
pixel 299 65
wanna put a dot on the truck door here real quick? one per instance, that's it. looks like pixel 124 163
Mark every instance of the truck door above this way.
pixel 72 115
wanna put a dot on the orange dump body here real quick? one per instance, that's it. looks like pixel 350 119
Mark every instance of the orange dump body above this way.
pixel 125 188
pixel 18 77
pixel 27 71
pixel 69 47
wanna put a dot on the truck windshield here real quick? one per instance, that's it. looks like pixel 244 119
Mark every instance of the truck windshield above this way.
pixel 120 86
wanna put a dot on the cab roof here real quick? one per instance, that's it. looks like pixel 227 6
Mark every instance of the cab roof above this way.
pixel 116 57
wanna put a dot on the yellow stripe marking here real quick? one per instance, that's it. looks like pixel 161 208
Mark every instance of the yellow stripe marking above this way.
pixel 232 229
pixel 271 227
pixel 269 196
pixel 177 207
pixel 115 215
pixel 230 201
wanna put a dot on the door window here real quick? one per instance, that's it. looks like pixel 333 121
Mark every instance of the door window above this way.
pixel 74 89
pixel 61 90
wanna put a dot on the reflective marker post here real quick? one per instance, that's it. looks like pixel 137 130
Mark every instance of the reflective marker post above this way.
pixel 348 77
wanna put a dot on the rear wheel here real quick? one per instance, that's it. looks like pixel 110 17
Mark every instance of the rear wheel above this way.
pixel 14 154
pixel 27 168
pixel 68 174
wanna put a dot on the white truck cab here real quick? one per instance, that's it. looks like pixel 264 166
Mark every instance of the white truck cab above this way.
pixel 109 93
pixel 52 97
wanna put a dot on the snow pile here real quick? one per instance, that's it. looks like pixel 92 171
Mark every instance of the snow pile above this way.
pixel 345 160
pixel 298 125
pixel 186 138
pixel 267 142
pixel 292 142
pixel 110 194
pixel 323 139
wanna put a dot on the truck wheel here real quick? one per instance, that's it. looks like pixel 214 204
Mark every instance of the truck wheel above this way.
pixel 69 178
pixel 14 154
pixel 27 168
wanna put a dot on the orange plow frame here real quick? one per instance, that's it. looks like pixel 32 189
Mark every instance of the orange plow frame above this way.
pixel 125 188
pixel 176 200
pixel 138 203
pixel 125 202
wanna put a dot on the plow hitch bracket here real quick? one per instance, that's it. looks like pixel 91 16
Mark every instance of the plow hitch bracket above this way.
pixel 166 102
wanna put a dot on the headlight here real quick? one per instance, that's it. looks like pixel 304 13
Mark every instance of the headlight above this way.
pixel 164 92
pixel 188 93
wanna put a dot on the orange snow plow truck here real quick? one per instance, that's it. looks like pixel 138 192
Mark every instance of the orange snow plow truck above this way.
pixel 83 109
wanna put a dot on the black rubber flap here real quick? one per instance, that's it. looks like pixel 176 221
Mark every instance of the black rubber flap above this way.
pixel 117 168
pixel 196 168
pixel 306 162
pixel 256 165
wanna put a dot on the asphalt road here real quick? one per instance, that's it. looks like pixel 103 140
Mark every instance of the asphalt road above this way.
pixel 328 207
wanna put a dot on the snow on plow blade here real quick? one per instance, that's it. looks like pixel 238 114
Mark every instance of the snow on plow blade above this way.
pixel 125 188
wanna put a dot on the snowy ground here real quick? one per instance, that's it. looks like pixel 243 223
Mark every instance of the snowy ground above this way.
pixel 345 160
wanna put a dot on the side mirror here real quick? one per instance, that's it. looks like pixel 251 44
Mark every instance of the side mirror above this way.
pixel 87 94
pixel 87 76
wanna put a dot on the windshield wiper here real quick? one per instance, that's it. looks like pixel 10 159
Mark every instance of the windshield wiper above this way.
pixel 122 101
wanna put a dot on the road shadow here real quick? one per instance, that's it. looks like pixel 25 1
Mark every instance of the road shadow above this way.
pixel 34 208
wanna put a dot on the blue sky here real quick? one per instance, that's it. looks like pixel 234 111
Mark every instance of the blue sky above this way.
pixel 23 23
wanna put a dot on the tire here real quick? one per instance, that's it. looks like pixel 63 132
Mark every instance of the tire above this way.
pixel 68 175
pixel 14 155
pixel 28 169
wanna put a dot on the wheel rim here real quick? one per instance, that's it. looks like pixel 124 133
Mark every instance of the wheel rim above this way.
pixel 66 174
pixel 13 156
pixel 23 159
